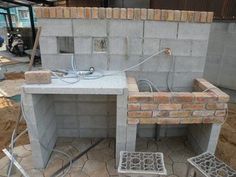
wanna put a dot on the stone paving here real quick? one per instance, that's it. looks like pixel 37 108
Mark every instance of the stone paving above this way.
pixel 99 161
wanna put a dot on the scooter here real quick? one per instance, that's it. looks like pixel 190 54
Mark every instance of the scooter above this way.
pixel 15 44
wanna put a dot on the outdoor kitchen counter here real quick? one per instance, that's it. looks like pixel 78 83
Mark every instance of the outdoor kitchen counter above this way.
pixel 41 117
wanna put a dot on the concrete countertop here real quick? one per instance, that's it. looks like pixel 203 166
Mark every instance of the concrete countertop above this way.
pixel 113 83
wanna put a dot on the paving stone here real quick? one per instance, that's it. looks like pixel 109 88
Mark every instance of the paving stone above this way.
pixel 94 167
pixel 81 144
pixel 180 169
pixel 21 151
pixel 78 164
pixel 53 166
pixel 111 167
pixel 101 155
pixel 169 169
pixel 27 162
pixel 181 155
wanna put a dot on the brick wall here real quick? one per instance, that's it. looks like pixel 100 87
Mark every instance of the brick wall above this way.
pixel 197 107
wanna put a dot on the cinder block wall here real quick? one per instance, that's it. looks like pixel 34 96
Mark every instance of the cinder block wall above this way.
pixel 132 35
pixel 221 60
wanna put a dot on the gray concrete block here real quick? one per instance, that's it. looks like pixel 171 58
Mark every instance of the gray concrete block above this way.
pixel 120 62
pixel 61 97
pixel 211 72
pixel 227 77
pixel 48 45
pixel 189 64
pixel 91 122
pixel 92 108
pixel 150 46
pixel 55 27
pixel 199 48
pixel 178 47
pixel 98 61
pixel 220 27
pixel 68 132
pixel 90 28
pixel 65 108
pixel 83 45
pixel 232 28
pixel 121 133
pixel 160 63
pixel 67 122
pixel 92 98
pixel 125 28
pixel 93 133
pixel 158 29
pixel 62 61
pixel 182 79
pixel 198 31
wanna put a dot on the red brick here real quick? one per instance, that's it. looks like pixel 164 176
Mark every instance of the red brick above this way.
pixel 123 14
pixel 66 12
pixel 213 120
pixel 182 97
pixel 170 15
pixel 220 113
pixel 184 16
pixel 162 97
pixel 132 121
pixel 52 12
pixel 74 12
pixel 88 13
pixel 169 107
pixel 116 13
pixel 203 17
pixel 150 15
pixel 180 114
pixel 137 14
pixel 160 114
pixel 141 97
pixel 108 13
pixel 191 106
pixel 38 77
pixel 204 113
pixel 45 12
pixel 38 12
pixel 192 120
pixel 204 97
pixel 164 15
pixel 95 13
pixel 59 12
pixel 210 16
pixel 81 12
pixel 148 106
pixel 168 121
pixel 101 12
pixel 140 114
pixel 133 106
pixel 190 16
pixel 157 14
pixel 148 121
pixel 130 13
pixel 197 16
pixel 143 15
pixel 222 97
pixel 216 106
pixel 177 15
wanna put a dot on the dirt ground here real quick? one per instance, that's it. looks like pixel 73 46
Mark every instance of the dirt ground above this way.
pixel 9 110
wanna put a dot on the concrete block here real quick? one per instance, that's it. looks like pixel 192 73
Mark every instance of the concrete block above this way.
pixel 124 28
pixel 232 28
pixel 62 61
pixel 198 31
pixel 58 29
pixel 67 122
pixel 150 46
pixel 178 47
pixel 121 134
pixel 199 48
pixel 92 98
pixel 210 72
pixel 83 45
pixel 65 108
pixel 48 45
pixel 68 132
pixel 93 108
pixel 220 27
pixel 189 64
pixel 182 79
pixel 119 62
pixel 160 63
pixel 90 28
pixel 91 122
pixel 93 133
pixel 98 61
pixel 61 97
pixel 157 29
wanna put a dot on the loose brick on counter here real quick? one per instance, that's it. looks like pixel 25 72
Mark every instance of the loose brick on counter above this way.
pixel 38 77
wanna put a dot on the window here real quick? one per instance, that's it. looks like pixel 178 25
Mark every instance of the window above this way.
pixel 24 14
